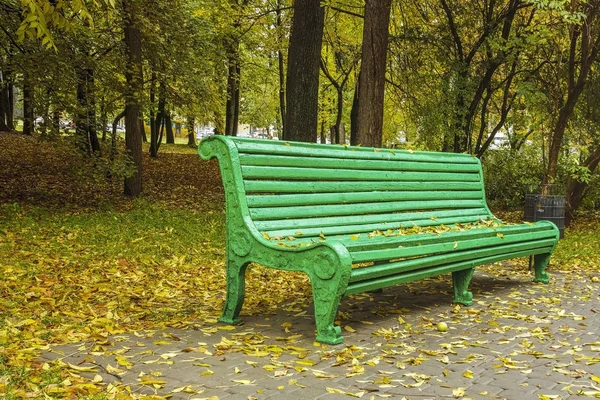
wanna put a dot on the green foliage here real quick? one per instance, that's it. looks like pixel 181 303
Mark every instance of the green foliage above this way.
pixel 42 16
pixel 592 198
pixel 431 96
pixel 575 170
pixel 508 173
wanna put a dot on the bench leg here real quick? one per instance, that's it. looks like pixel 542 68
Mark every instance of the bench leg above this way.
pixel 326 298
pixel 460 281
pixel 236 291
pixel 540 262
pixel 329 279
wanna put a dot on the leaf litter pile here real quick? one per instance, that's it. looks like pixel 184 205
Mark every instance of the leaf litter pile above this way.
pixel 104 297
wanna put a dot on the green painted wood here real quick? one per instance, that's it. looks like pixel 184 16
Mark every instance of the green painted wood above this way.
pixel 280 188
pixel 261 214
pixel 391 268
pixel 348 152
pixel 395 220
pixel 270 160
pixel 252 172
pixel 367 286
pixel 446 247
pixel 366 229
pixel 286 186
pixel 355 197
pixel 366 243
pixel 367 247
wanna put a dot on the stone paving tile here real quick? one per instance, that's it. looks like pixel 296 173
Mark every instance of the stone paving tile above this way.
pixel 519 340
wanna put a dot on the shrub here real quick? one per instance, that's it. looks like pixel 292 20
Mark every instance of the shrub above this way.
pixel 508 173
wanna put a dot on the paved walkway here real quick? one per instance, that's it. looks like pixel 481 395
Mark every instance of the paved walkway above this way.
pixel 519 340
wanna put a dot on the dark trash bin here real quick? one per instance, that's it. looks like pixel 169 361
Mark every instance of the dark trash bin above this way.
pixel 546 202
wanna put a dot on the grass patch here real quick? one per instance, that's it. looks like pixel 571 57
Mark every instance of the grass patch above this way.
pixel 580 249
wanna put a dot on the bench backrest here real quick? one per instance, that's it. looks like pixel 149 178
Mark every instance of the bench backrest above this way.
pixel 302 189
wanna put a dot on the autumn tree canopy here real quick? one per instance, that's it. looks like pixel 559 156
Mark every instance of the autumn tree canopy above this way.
pixel 445 75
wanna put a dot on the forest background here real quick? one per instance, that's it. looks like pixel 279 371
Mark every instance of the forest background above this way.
pixel 512 82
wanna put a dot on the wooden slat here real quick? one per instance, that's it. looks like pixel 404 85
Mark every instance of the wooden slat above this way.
pixel 270 160
pixel 294 173
pixel 356 197
pixel 363 274
pixel 364 153
pixel 392 219
pixel 441 236
pixel 283 186
pixel 467 240
pixel 365 286
pixel 260 214
pixel 353 230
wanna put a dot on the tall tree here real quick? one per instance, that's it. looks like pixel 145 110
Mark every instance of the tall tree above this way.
pixel 86 111
pixel 6 100
pixel 368 125
pixel 135 86
pixel 234 70
pixel 191 133
pixel 28 104
pixel 586 138
pixel 304 57
pixel 584 44
pixel 280 63
pixel 341 55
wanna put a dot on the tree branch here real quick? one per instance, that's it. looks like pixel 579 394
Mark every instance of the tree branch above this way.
pixel 347 12
pixel 453 30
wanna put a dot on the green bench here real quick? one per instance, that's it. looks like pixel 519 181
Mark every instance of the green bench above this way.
pixel 360 219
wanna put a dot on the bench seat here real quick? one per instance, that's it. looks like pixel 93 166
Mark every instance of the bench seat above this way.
pixel 359 219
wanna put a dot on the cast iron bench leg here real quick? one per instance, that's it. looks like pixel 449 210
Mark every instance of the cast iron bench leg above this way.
pixel 540 262
pixel 326 296
pixel 236 291
pixel 460 283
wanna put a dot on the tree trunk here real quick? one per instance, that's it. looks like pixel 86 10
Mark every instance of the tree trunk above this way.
pixel 3 102
pixel 81 122
pixel 169 126
pixel 304 57
pixel 338 136
pixel 86 111
pixel 103 118
pixel 6 101
pixel 134 78
pixel 113 136
pixel 584 47
pixel 233 88
pixel 155 123
pixel 45 114
pixel 28 110
pixel 143 130
pixel 281 68
pixel 56 121
pixel 91 111
pixel 354 115
pixel 558 134
pixel 576 189
pixel 191 133
pixel 369 118
pixel 338 118
pixel 281 65
pixel 10 123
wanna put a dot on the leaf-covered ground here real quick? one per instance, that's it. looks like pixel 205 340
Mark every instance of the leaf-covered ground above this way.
pixel 140 284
